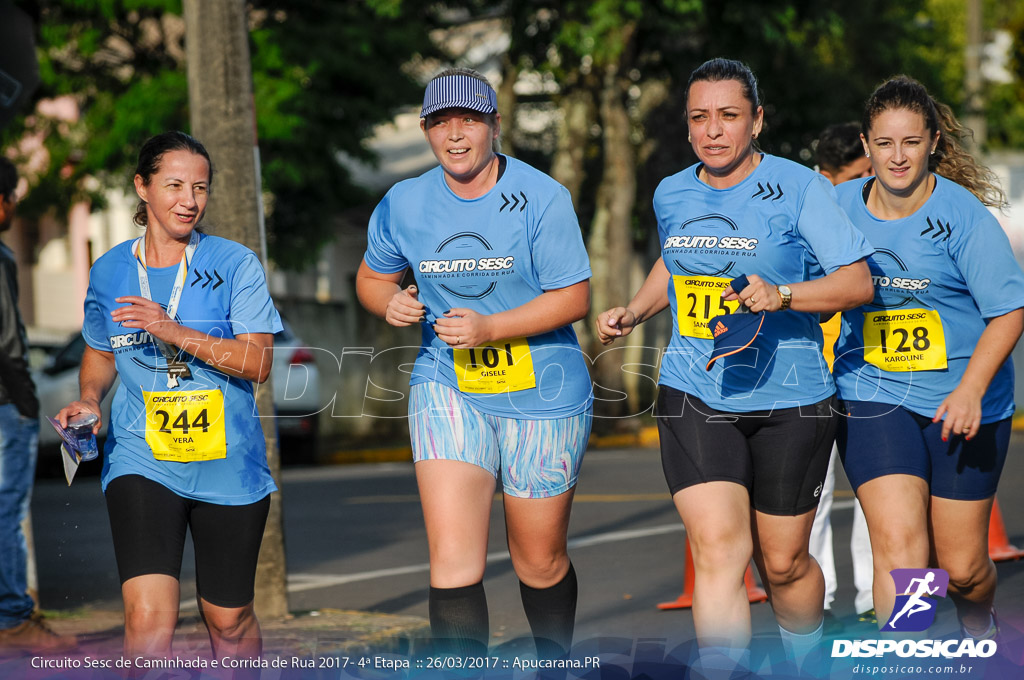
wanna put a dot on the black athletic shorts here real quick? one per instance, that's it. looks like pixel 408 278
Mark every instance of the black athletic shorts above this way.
pixel 780 456
pixel 148 522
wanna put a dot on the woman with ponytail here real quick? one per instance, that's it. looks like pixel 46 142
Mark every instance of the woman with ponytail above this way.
pixel 924 369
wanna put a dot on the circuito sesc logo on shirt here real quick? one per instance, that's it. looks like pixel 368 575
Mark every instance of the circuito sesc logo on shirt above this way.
pixel 467 266
pixel 708 235
pixel 899 287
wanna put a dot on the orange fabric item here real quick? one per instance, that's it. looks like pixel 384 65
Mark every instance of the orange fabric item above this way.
pixel 830 329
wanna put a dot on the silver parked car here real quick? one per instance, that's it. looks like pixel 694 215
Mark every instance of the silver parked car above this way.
pixel 297 399
pixel 295 376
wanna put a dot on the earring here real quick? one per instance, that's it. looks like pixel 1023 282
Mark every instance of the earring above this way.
pixel 867 154
pixel 689 138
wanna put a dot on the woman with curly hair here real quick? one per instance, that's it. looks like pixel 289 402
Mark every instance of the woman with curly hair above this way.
pixel 924 369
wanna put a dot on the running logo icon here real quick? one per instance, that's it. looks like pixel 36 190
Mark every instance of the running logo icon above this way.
pixel 914 610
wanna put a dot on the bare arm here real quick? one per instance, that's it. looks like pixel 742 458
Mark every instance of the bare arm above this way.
pixel 96 375
pixel 382 296
pixel 648 301
pixel 464 328
pixel 962 408
pixel 847 287
pixel 246 355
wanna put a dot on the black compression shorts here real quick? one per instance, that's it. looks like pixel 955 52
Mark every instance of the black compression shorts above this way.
pixel 148 522
pixel 780 456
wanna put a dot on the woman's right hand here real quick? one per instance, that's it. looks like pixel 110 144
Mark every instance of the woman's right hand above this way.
pixel 616 322
pixel 81 406
pixel 404 309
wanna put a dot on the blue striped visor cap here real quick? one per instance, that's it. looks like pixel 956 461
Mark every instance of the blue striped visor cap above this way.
pixel 458 92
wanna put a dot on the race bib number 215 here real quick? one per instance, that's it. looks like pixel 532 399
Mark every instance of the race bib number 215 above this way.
pixel 698 300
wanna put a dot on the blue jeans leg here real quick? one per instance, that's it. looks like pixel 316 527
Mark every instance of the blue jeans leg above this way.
pixel 18 440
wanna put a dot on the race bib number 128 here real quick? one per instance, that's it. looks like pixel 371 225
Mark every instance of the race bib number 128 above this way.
pixel 905 340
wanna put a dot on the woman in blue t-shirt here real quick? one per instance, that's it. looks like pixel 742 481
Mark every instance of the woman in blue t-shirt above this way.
pixel 749 437
pixel 500 385
pixel 924 369
pixel 185 449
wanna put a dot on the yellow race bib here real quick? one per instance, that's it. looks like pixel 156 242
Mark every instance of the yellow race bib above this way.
pixel 698 300
pixel 502 366
pixel 183 427
pixel 905 340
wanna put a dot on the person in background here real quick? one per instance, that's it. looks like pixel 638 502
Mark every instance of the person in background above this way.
pixel 839 155
pixel 745 442
pixel 20 628
pixel 924 368
pixel 185 449
pixel 500 386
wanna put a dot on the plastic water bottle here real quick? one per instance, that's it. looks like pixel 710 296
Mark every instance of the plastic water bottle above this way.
pixel 80 427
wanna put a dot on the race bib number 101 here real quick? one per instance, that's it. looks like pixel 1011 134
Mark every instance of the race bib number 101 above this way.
pixel 502 366
pixel 698 300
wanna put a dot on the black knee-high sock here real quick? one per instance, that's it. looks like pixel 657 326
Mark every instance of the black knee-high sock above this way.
pixel 552 615
pixel 458 620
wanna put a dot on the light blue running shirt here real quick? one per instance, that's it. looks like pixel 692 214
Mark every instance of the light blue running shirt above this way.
pixel 225 295
pixel 782 223
pixel 490 254
pixel 939 274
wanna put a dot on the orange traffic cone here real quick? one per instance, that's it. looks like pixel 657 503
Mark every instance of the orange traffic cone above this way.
pixel 684 601
pixel 754 592
pixel 999 547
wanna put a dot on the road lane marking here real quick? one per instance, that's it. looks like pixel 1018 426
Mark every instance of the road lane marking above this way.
pixel 298 583
pixel 578 498
pixel 302 582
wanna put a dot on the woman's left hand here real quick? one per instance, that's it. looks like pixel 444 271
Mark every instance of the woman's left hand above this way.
pixel 962 409
pixel 463 328
pixel 758 296
pixel 143 314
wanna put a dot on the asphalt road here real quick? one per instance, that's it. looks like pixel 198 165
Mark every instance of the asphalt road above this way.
pixel 355 540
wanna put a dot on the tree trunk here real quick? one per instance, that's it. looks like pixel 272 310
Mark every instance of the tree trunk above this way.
pixel 610 245
pixel 507 105
pixel 222 116
pixel 577 118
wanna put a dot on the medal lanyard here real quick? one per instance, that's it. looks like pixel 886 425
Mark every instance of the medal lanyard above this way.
pixel 179 285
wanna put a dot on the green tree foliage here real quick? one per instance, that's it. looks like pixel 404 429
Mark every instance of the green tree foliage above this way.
pixel 1005 110
pixel 116 62
pixel 816 62
pixel 325 73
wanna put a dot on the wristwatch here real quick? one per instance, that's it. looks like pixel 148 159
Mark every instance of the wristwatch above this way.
pixel 785 297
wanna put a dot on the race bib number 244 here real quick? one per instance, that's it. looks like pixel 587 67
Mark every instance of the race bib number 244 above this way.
pixel 185 426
